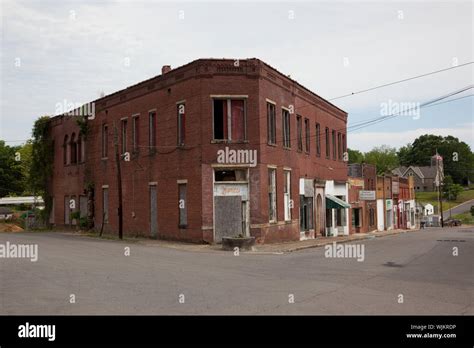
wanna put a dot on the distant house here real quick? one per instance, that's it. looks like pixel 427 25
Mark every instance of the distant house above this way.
pixel 5 214
pixel 425 209
pixel 426 177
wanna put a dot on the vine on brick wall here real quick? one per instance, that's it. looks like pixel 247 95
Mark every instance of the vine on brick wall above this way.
pixel 41 170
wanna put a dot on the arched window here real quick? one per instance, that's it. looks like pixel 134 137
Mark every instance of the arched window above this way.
pixel 66 150
pixel 73 148
pixel 79 149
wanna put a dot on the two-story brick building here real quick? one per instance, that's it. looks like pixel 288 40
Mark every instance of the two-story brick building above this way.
pixel 213 148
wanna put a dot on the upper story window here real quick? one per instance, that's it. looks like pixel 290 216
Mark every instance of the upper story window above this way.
pixel 73 148
pixel 124 135
pixel 334 149
pixel 229 119
pixel 135 133
pixel 81 149
pixel 105 140
pixel 152 130
pixel 318 139
pixel 328 143
pixel 307 135
pixel 286 128
pixel 339 146
pixel 66 150
pixel 299 131
pixel 181 111
pixel 344 146
pixel 271 124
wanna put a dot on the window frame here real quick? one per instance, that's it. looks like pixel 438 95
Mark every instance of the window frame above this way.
pixel 135 133
pixel 229 99
pixel 287 194
pixel 105 140
pixel 286 128
pixel 181 123
pixel 271 124
pixel 318 139
pixel 307 134
pixel 272 196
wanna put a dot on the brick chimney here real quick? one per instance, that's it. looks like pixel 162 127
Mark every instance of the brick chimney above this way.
pixel 165 69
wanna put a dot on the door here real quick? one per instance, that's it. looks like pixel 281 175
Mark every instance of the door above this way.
pixel 227 217
pixel 319 216
pixel 153 212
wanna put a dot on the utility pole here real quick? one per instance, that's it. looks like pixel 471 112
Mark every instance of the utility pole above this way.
pixel 440 197
pixel 119 181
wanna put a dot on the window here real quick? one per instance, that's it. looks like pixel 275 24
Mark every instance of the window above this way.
pixel 231 175
pixel 339 146
pixel 344 146
pixel 105 140
pixel 152 130
pixel 334 149
pixel 124 136
pixel 181 109
pixel 73 148
pixel 272 210
pixel 135 133
pixel 286 128
pixel 66 150
pixel 105 205
pixel 183 214
pixel 306 213
pixel 328 146
pixel 299 130
pixel 229 119
pixel 271 124
pixel 318 139
pixel 287 194
pixel 307 135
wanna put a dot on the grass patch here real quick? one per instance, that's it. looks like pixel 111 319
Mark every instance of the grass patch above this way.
pixel 466 218
pixel 432 198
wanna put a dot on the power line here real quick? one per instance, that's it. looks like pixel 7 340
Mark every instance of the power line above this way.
pixel 400 81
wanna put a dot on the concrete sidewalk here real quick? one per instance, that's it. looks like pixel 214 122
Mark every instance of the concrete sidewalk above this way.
pixel 273 248
pixel 321 241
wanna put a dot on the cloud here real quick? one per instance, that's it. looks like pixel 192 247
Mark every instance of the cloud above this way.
pixel 365 141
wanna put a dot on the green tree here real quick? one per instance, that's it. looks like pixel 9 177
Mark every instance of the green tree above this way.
pixel 355 156
pixel 41 169
pixel 11 176
pixel 383 157
pixel 458 159
pixel 450 189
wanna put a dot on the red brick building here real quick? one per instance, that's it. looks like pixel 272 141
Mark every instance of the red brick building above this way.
pixel 362 198
pixel 213 148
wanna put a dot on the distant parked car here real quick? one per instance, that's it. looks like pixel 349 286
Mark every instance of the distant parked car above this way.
pixel 453 222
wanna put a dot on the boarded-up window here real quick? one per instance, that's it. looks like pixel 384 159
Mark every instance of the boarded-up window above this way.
pixel 105 205
pixel 272 213
pixel 183 213
pixel 287 194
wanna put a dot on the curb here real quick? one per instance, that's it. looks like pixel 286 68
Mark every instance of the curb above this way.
pixel 303 247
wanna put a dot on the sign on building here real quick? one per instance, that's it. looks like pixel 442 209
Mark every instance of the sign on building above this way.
pixel 365 195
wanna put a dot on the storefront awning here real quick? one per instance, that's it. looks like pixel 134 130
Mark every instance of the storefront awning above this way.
pixel 335 203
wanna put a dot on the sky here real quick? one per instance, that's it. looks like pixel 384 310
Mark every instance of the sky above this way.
pixel 59 52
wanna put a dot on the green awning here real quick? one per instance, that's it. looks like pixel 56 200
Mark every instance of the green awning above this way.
pixel 335 203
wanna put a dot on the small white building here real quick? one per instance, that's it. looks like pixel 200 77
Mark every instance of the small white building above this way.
pixel 337 208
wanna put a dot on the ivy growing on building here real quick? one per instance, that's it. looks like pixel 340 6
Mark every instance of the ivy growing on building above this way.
pixel 41 170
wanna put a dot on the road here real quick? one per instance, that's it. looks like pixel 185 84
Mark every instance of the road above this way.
pixel 459 209
pixel 420 266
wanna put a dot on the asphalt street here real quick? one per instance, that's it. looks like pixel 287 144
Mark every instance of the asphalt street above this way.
pixel 419 266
